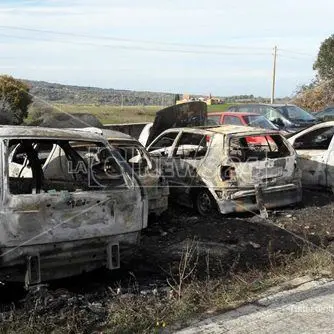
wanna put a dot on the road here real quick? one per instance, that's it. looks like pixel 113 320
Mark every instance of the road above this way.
pixel 306 309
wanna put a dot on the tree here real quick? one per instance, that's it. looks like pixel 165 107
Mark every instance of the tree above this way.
pixel 315 96
pixel 15 98
pixel 6 117
pixel 325 60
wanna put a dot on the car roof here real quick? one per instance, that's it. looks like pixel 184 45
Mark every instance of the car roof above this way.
pixel 248 104
pixel 107 133
pixel 263 104
pixel 282 105
pixel 234 113
pixel 224 130
pixel 15 131
pixel 112 134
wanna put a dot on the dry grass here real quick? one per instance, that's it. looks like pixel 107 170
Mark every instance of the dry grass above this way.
pixel 187 297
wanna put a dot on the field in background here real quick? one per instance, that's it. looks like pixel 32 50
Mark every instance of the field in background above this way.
pixel 118 114
pixel 219 107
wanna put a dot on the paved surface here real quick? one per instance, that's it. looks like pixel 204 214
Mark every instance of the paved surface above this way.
pixel 306 309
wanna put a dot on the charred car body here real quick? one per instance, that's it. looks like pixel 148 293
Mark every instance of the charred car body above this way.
pixel 315 149
pixel 149 174
pixel 231 168
pixel 64 210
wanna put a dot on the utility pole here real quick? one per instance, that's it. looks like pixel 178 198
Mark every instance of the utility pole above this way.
pixel 274 77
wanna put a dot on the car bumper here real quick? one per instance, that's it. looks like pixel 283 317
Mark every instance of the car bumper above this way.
pixel 273 197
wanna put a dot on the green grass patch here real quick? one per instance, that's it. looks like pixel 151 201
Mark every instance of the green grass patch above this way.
pixel 115 114
pixel 108 114
pixel 219 107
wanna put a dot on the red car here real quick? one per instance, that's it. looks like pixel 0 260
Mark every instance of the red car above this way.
pixel 241 118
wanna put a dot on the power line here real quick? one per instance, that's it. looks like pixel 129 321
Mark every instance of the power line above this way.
pixel 297 52
pixel 150 43
pixel 137 48
pixel 291 57
pixel 53 32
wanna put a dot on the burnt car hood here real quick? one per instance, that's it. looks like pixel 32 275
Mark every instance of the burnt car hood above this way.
pixel 180 115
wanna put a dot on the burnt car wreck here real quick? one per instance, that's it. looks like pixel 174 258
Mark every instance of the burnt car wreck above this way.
pixel 148 172
pixel 228 168
pixel 69 204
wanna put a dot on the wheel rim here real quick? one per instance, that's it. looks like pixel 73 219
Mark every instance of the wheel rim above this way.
pixel 204 202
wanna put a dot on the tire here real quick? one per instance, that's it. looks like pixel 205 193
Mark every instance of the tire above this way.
pixel 204 203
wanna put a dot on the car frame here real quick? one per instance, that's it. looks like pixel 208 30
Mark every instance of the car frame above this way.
pixel 149 174
pixel 65 210
pixel 203 170
pixel 315 149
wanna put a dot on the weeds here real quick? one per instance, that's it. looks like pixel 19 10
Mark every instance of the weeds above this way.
pixel 186 298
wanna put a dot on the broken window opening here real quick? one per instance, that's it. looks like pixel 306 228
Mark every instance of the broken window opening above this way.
pixel 318 139
pixel 191 146
pixel 134 156
pixel 256 148
pixel 40 166
pixel 163 145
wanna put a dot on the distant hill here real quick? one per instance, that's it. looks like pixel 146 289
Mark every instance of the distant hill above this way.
pixel 58 93
pixel 68 94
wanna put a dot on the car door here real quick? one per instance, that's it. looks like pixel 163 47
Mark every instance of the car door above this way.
pixel 330 165
pixel 148 173
pixel 187 156
pixel 161 150
pixel 100 199
pixel 315 154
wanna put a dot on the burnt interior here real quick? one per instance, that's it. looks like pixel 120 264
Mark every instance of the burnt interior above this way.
pixel 134 156
pixel 257 148
pixel 37 166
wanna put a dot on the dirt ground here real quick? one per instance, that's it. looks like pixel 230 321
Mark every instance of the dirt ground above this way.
pixel 239 241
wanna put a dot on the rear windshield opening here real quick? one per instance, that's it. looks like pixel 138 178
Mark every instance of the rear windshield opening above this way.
pixel 258 147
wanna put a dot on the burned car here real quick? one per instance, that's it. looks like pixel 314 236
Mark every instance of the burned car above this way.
pixel 149 174
pixel 315 150
pixel 65 210
pixel 229 168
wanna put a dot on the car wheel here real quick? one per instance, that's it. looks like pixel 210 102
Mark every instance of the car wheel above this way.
pixel 204 202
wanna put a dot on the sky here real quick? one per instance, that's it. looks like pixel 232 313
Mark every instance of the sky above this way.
pixel 197 47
